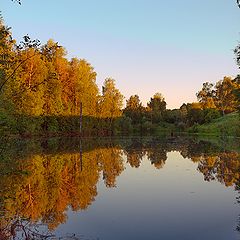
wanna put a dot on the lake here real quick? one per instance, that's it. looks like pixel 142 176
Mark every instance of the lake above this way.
pixel 121 188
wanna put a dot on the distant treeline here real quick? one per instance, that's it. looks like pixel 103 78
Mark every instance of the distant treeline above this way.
pixel 214 101
pixel 43 92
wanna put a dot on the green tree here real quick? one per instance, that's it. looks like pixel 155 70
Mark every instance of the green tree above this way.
pixel 134 109
pixel 183 112
pixel 195 114
pixel 237 91
pixel 157 106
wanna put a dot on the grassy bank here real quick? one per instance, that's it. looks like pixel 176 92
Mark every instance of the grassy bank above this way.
pixel 228 125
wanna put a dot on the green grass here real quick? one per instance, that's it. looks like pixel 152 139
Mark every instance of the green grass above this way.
pixel 228 125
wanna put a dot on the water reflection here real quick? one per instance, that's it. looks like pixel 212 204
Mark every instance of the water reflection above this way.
pixel 41 180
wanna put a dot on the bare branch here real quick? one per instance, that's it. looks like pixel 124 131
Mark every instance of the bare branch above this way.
pixel 18 1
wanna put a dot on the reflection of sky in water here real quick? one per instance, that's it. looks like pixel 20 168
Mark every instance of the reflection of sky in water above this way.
pixel 173 202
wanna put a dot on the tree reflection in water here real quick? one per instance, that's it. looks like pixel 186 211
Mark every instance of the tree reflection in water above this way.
pixel 40 181
pixel 40 186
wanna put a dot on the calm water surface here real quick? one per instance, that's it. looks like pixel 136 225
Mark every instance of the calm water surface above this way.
pixel 141 188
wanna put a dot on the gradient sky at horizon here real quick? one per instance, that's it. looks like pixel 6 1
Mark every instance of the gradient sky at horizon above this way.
pixel 147 46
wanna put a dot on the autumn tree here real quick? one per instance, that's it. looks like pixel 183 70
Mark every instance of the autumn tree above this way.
pixel 43 90
pixel 157 106
pixel 225 98
pixel 111 102
pixel 206 96
pixel 6 53
pixel 57 72
pixel 86 90
pixel 134 109
pixel 6 63
pixel 26 90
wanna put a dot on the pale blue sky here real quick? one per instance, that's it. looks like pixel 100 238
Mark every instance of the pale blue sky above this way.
pixel 148 46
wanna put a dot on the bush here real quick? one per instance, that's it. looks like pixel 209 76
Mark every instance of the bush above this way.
pixel 123 125
pixel 194 128
pixel 211 114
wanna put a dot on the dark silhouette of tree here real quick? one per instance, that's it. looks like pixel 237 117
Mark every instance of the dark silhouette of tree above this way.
pixel 17 1
pixel 157 107
pixel 206 95
pixel 134 109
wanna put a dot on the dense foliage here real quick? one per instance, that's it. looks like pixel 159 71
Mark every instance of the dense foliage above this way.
pixel 214 101
pixel 44 92
pixel 41 90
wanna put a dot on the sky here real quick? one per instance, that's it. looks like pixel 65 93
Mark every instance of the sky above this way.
pixel 147 46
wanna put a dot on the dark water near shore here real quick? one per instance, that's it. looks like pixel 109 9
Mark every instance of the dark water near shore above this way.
pixel 129 188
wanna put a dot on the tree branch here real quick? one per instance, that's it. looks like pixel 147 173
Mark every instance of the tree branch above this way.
pixel 14 71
